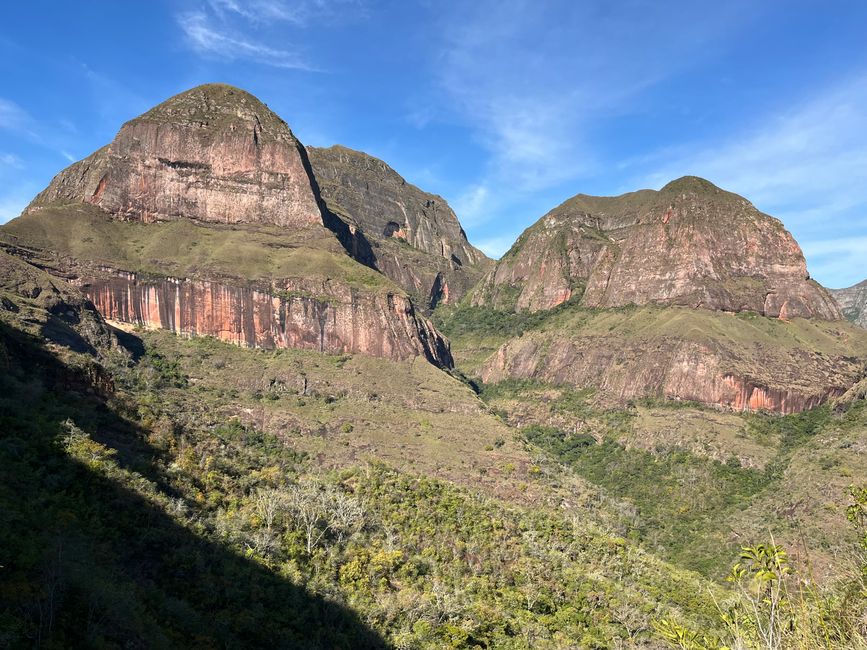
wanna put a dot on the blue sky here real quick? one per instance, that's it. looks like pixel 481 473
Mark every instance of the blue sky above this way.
pixel 506 108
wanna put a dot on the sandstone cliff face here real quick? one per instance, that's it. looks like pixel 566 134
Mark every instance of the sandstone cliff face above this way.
pixel 213 153
pixel 688 244
pixel 252 257
pixel 416 237
pixel 327 317
pixel 853 302
pixel 651 353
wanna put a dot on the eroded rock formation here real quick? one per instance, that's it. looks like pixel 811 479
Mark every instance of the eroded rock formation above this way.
pixel 326 317
pixel 689 244
pixel 626 364
pixel 417 239
pixel 213 153
pixel 215 156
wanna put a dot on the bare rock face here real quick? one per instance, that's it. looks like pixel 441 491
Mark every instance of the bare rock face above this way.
pixel 328 317
pixel 416 237
pixel 203 217
pixel 853 302
pixel 213 153
pixel 689 244
pixel 695 355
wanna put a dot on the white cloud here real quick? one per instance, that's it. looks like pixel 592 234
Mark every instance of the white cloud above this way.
pixel 299 12
pixel 472 206
pixel 840 260
pixel 10 160
pixel 210 39
pixel 13 117
pixel 533 80
pixel 68 156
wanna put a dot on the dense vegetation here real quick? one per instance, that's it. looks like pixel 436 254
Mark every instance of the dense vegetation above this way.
pixel 128 525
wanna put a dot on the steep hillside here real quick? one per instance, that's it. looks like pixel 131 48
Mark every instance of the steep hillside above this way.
pixel 853 302
pixel 180 495
pixel 704 482
pixel 202 217
pixel 688 293
pixel 690 244
pixel 416 238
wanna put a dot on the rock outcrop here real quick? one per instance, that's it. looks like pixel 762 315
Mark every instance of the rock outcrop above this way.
pixel 853 302
pixel 416 238
pixel 326 317
pixel 695 355
pixel 213 153
pixel 203 217
pixel 689 244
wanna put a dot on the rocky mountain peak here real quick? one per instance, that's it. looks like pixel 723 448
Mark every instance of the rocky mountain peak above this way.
pixel 853 302
pixel 690 244
pixel 213 153
pixel 416 237
pixel 219 108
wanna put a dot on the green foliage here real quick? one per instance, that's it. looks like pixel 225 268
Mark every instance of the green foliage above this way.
pixel 679 497
pixel 776 610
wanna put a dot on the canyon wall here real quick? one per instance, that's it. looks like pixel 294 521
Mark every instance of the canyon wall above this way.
pixel 780 381
pixel 303 315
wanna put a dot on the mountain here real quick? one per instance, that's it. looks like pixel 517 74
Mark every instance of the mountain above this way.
pixel 416 238
pixel 225 420
pixel 689 244
pixel 853 302
pixel 688 293
pixel 202 216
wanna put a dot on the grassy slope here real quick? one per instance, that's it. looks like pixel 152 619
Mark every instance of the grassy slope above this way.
pixel 704 482
pixel 186 249
pixel 139 506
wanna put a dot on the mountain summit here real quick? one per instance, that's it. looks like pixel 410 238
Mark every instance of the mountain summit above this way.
pixel 203 217
pixel 690 244
pixel 213 153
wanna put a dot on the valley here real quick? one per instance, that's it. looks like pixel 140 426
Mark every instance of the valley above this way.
pixel 256 394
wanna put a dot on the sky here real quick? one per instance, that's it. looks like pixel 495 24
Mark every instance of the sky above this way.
pixel 506 108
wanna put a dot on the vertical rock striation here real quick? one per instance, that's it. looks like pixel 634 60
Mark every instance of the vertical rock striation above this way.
pixel 689 244
pixel 213 153
pixel 417 239
pixel 333 319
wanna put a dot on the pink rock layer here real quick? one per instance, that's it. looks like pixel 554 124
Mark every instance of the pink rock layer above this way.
pixel 673 369
pixel 346 321
pixel 214 153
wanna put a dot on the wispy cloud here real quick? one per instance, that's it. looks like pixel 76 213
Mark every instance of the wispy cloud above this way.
pixel 534 99
pixel 473 205
pixel 210 38
pixel 10 160
pixel 840 260
pixel 299 12
pixel 12 116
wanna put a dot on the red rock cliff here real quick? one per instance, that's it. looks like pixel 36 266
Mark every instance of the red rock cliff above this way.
pixel 213 153
pixel 326 317
pixel 689 244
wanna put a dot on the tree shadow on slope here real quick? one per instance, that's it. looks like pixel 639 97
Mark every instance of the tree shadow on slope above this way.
pixel 87 562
